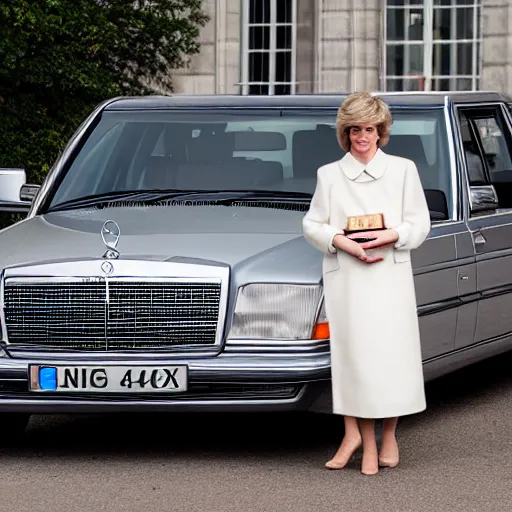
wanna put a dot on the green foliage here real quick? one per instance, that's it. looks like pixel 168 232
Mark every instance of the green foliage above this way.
pixel 60 58
pixel 7 219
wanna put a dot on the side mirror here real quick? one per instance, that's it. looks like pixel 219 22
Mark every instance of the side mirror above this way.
pixel 437 204
pixel 483 198
pixel 11 183
pixel 29 192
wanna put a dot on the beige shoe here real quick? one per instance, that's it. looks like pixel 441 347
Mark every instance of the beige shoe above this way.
pixel 334 464
pixel 373 469
pixel 338 465
pixel 388 463
pixel 372 472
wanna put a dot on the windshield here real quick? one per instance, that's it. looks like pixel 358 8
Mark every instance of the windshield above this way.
pixel 240 150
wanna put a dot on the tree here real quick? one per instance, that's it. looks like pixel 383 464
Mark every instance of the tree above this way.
pixel 60 58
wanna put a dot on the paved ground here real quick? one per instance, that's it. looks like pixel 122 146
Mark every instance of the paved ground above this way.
pixel 457 456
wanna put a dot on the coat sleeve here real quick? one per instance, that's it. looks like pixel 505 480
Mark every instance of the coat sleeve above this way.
pixel 415 226
pixel 315 224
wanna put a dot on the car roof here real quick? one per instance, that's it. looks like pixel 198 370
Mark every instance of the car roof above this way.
pixel 398 99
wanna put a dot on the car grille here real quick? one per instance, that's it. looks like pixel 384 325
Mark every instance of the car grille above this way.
pixel 108 314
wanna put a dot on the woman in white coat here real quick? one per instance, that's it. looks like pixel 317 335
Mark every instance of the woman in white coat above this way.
pixel 370 300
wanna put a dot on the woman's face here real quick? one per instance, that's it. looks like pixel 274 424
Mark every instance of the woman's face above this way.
pixel 363 139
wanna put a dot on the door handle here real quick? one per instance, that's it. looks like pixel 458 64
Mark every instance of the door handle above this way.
pixel 479 239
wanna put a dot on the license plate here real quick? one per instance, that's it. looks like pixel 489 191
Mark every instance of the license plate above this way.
pixel 109 379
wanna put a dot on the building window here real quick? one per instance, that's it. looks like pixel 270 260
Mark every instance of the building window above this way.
pixel 269 46
pixel 432 45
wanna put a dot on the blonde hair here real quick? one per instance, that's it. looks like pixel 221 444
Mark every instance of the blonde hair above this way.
pixel 359 108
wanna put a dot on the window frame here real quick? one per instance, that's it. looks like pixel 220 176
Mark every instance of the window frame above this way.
pixel 429 44
pixel 272 50
pixel 478 142
pixel 499 107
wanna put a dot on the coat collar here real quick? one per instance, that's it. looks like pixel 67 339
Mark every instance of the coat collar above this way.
pixel 353 168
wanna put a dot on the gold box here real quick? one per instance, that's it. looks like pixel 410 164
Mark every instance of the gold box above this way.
pixel 365 223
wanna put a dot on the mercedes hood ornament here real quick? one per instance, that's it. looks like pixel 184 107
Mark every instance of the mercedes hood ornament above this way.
pixel 110 233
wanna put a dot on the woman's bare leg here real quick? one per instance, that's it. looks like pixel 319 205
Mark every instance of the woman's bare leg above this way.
pixel 388 455
pixel 350 443
pixel 370 465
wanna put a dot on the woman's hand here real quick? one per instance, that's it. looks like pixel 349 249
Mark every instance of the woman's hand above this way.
pixel 383 237
pixel 345 244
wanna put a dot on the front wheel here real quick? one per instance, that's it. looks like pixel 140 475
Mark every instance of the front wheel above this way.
pixel 12 425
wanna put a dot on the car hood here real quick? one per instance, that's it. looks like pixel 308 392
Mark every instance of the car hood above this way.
pixel 217 233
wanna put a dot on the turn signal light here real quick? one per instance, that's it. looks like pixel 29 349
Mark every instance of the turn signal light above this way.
pixel 321 331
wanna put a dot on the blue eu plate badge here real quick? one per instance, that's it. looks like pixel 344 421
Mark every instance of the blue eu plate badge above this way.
pixel 48 378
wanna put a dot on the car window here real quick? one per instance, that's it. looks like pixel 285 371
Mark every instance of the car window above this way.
pixel 492 141
pixel 421 137
pixel 495 145
pixel 213 150
pixel 102 145
pixel 474 159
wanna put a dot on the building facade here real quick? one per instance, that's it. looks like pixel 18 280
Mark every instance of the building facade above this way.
pixel 333 46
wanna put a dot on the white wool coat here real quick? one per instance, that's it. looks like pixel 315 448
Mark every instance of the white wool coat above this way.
pixel 376 364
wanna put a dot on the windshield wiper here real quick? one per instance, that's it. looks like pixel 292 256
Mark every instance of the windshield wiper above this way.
pixel 228 197
pixel 109 197
pixel 154 196
pixel 274 194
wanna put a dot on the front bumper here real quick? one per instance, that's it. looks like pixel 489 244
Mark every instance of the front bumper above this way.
pixel 274 380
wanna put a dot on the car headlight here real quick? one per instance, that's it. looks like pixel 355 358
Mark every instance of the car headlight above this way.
pixel 276 311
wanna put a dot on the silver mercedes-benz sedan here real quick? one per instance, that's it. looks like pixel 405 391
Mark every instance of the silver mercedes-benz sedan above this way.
pixel 161 265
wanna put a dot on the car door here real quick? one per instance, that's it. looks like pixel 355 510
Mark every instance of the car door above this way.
pixel 444 264
pixel 444 273
pixel 488 148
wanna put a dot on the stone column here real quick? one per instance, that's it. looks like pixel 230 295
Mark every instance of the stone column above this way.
pixel 199 77
pixel 497 46
pixel 228 40
pixel 216 69
pixel 349 49
pixel 306 48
